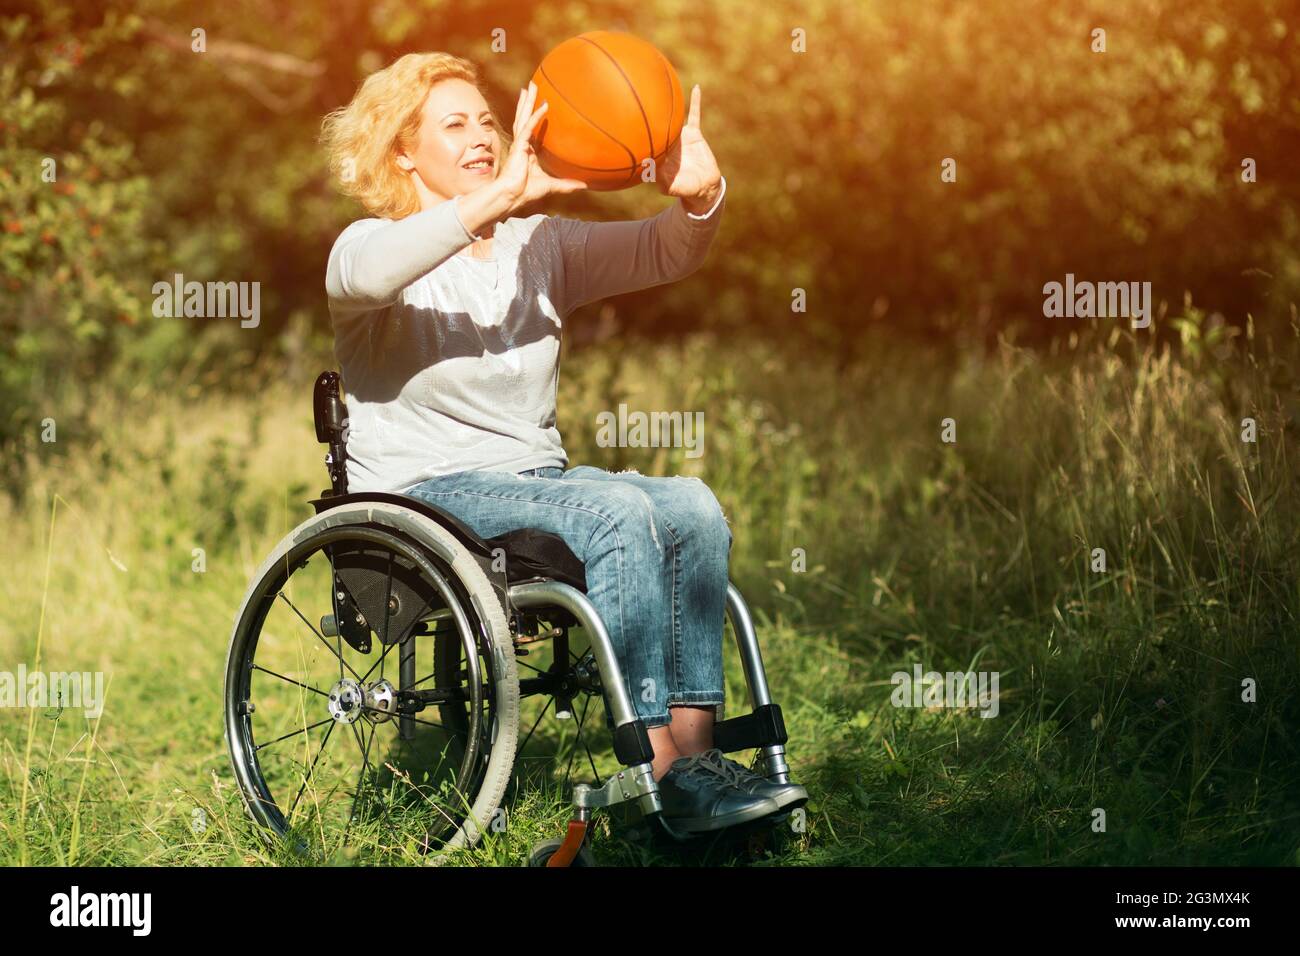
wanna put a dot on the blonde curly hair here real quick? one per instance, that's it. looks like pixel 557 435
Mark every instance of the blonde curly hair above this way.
pixel 364 138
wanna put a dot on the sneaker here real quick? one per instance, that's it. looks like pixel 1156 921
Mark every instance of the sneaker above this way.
pixel 698 795
pixel 784 795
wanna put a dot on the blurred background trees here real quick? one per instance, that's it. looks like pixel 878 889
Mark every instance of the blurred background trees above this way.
pixel 1122 690
pixel 1122 165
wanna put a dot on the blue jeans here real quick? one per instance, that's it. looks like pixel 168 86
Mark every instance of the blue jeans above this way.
pixel 655 552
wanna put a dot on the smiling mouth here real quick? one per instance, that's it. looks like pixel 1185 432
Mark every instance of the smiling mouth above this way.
pixel 480 165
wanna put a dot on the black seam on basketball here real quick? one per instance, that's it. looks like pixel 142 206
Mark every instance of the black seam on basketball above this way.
pixel 594 125
pixel 649 136
pixel 631 170
pixel 669 77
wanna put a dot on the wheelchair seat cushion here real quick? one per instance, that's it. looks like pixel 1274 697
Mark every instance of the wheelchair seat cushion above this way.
pixel 531 553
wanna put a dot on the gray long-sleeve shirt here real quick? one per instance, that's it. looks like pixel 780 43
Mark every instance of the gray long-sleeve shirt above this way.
pixel 450 363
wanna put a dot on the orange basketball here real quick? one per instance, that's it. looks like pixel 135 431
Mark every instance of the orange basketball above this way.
pixel 614 101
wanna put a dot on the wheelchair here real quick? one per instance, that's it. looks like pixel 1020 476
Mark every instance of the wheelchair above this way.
pixel 435 730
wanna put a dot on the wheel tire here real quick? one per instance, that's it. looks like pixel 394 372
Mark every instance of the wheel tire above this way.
pixel 465 569
pixel 542 853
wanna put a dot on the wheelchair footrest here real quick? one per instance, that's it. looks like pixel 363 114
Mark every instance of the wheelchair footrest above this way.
pixel 762 728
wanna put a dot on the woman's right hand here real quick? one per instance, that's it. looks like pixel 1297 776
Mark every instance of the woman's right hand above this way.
pixel 522 178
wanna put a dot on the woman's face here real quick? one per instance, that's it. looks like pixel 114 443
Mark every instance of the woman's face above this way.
pixel 456 129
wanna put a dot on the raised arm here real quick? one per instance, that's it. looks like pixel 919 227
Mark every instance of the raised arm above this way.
pixel 374 259
pixel 601 259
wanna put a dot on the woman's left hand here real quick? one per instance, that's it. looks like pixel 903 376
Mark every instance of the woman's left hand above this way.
pixel 688 170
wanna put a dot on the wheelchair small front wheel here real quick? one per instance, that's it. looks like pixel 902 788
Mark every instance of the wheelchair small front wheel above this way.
pixel 333 698
pixel 542 852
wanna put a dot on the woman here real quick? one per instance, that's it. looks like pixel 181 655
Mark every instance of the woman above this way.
pixel 447 312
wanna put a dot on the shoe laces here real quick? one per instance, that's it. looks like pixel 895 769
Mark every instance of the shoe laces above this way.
pixel 710 762
pixel 714 763
pixel 739 773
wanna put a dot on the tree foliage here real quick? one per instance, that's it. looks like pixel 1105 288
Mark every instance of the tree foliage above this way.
pixel 1116 165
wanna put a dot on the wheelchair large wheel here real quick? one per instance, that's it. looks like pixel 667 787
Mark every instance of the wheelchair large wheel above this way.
pixel 334 700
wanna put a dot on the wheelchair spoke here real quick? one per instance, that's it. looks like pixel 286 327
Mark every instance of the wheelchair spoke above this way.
pixel 321 638
pixel 585 746
pixel 427 723
pixel 578 740
pixel 293 734
pixel 379 663
pixel 356 735
pixel 550 700
pixel 535 670
pixel 388 647
pixel 362 778
pixel 310 770
pixel 259 667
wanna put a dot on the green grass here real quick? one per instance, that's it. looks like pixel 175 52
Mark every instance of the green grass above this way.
pixel 1119 690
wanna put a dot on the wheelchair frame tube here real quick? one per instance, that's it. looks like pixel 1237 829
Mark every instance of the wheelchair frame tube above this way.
pixel 637 783
pixel 555 594
pixel 755 676
pixel 747 642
